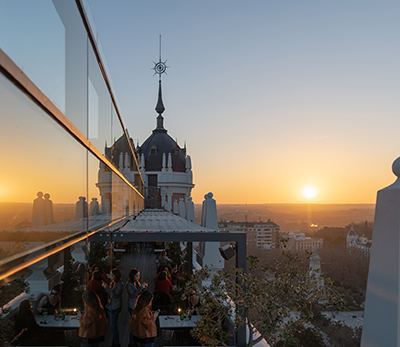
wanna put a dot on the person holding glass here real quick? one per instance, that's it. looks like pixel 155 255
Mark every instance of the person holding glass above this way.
pixel 114 305
pixel 143 320
pixel 93 321
pixel 50 303
pixel 134 288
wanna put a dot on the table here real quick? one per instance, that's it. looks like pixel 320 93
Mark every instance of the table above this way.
pixel 173 330
pixel 174 322
pixel 70 322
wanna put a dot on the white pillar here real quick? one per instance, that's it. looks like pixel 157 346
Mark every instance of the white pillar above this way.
pixel 176 207
pixel 121 161
pixel 163 199
pixel 190 210
pixel 168 203
pixel 381 315
pixel 126 164
pixel 182 208
pixel 212 256
pixel 163 160
pixel 169 163
pixel 37 280
pixel 142 162
pixel 78 253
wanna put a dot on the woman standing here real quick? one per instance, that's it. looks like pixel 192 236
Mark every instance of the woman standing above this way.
pixel 114 305
pixel 93 321
pixel 163 284
pixel 134 288
pixel 143 321
pixel 96 267
pixel 163 259
pixel 96 284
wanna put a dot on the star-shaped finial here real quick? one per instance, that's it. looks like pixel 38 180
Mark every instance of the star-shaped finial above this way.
pixel 160 68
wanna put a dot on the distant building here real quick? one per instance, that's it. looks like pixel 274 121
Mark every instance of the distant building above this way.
pixel 261 234
pixel 315 266
pixel 299 241
pixel 360 245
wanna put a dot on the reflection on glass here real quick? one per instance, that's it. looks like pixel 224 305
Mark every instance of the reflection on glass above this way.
pixel 42 35
pixel 99 106
pixel 42 181
pixel 99 181
pixel 120 155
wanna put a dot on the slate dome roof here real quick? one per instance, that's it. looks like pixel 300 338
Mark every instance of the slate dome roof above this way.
pixel 160 142
pixel 352 232
pixel 121 145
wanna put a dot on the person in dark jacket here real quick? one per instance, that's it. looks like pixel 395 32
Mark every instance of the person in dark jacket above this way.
pixel 134 288
pixel 114 305
pixel 26 325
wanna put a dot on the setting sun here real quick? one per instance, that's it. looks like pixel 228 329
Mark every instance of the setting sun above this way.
pixel 309 192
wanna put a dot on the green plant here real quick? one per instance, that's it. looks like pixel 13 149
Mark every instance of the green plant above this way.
pixel 174 252
pixel 98 251
pixel 297 335
pixel 266 303
pixel 71 292
pixel 8 292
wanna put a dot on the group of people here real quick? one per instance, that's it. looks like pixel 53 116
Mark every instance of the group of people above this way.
pixel 102 302
pixel 94 324
pixel 142 321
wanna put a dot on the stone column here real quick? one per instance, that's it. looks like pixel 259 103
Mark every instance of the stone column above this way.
pixel 38 282
pixel 190 209
pixel 381 315
pixel 212 256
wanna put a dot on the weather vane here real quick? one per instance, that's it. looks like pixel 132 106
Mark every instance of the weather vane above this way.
pixel 161 66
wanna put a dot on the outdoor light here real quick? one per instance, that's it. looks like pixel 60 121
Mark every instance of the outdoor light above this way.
pixel 227 251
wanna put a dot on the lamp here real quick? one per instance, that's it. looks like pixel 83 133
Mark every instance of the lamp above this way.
pixel 227 251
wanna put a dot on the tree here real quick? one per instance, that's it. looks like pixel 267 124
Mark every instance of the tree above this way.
pixel 8 291
pixel 268 303
pixel 297 335
pixel 341 335
pixel 98 251
pixel 174 252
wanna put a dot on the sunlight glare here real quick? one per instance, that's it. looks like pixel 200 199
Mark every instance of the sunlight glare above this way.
pixel 309 192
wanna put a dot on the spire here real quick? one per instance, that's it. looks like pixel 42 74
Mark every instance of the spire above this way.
pixel 160 105
pixel 159 69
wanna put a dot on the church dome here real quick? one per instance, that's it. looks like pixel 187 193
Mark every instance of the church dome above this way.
pixel 160 142
pixel 351 232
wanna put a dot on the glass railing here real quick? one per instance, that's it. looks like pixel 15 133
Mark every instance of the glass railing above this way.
pixel 68 169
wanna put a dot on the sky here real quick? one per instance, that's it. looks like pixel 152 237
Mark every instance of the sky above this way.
pixel 269 96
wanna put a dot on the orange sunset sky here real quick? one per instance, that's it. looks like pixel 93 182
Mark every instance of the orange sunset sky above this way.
pixel 269 97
